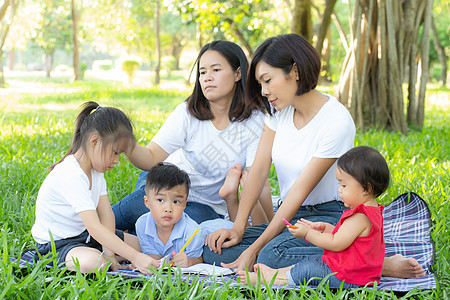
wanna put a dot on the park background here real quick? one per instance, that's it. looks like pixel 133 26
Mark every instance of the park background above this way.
pixel 385 60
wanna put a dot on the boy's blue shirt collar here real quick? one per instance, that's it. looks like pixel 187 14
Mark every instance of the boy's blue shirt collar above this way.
pixel 177 231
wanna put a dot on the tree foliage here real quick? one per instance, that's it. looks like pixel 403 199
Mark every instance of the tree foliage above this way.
pixel 53 29
pixel 235 20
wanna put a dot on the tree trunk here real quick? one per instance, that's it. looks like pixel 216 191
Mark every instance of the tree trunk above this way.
pixel 198 35
pixel 2 75
pixel 325 75
pixel 441 52
pixel 342 35
pixel 384 35
pixel 49 55
pixel 325 25
pixel 240 36
pixel 4 29
pixel 302 19
pixel 76 54
pixel 11 59
pixel 177 48
pixel 4 9
pixel 158 45
pixel 425 58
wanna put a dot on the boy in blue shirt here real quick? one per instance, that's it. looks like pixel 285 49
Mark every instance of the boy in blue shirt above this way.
pixel 166 228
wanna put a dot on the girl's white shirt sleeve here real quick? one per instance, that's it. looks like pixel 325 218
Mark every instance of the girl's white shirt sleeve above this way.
pixel 65 193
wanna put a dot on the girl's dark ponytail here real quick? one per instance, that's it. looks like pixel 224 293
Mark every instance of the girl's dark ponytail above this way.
pixel 110 123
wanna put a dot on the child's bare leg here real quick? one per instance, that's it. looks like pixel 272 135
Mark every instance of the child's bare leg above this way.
pixel 262 212
pixel 267 273
pixel 229 190
pixel 265 202
pixel 89 259
pixel 258 215
pixel 400 267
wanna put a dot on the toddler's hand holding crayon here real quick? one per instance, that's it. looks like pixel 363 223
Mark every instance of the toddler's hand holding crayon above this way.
pixel 299 230
pixel 318 226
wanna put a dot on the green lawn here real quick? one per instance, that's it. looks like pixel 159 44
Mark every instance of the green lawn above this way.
pixel 36 129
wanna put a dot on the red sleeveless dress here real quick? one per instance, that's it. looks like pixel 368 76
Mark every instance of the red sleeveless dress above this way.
pixel 362 261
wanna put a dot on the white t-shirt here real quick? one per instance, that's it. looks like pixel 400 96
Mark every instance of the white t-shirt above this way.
pixel 206 153
pixel 329 134
pixel 65 193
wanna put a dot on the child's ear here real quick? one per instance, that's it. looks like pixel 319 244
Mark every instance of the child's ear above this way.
pixel 94 140
pixel 369 190
pixel 146 202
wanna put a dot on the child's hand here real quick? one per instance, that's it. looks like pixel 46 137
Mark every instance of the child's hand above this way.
pixel 318 226
pixel 143 262
pixel 300 232
pixel 180 259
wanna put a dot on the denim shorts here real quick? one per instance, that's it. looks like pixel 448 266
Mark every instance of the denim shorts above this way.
pixel 63 246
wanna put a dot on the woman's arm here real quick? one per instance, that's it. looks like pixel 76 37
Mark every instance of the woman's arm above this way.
pixel 145 158
pixel 257 176
pixel 302 187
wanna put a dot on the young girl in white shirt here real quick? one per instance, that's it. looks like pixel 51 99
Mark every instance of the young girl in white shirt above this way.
pixel 72 208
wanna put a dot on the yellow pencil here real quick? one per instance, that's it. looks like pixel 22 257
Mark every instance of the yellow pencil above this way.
pixel 189 240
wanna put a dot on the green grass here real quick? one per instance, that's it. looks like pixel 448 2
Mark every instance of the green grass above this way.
pixel 36 129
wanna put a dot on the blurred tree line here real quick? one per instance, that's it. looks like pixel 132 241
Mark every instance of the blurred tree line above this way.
pixel 370 47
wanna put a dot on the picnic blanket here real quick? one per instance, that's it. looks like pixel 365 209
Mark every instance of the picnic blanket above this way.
pixel 406 230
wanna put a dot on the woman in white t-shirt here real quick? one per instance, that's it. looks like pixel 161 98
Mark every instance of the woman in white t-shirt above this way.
pixel 305 132
pixel 214 132
pixel 73 213
pixel 303 136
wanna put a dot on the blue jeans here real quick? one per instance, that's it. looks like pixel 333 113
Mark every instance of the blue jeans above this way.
pixel 314 267
pixel 285 249
pixel 132 206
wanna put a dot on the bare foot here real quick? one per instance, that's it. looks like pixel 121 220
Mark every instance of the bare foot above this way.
pixel 265 272
pixel 231 184
pixel 243 179
pixel 400 267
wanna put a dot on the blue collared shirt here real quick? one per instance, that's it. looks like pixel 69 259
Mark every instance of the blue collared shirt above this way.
pixel 182 231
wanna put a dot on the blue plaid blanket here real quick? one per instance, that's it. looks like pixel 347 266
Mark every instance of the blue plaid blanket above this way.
pixel 406 231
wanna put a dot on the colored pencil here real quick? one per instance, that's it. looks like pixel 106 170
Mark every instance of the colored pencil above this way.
pixel 189 240
pixel 289 225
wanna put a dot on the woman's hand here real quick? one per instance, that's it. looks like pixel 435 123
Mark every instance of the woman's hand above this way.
pixel 247 258
pixel 222 238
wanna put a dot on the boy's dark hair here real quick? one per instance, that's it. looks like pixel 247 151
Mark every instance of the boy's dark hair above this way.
pixel 282 52
pixel 367 166
pixel 166 176
pixel 111 124
pixel 240 109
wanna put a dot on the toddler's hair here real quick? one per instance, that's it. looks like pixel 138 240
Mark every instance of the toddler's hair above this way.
pixel 166 176
pixel 111 124
pixel 367 166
